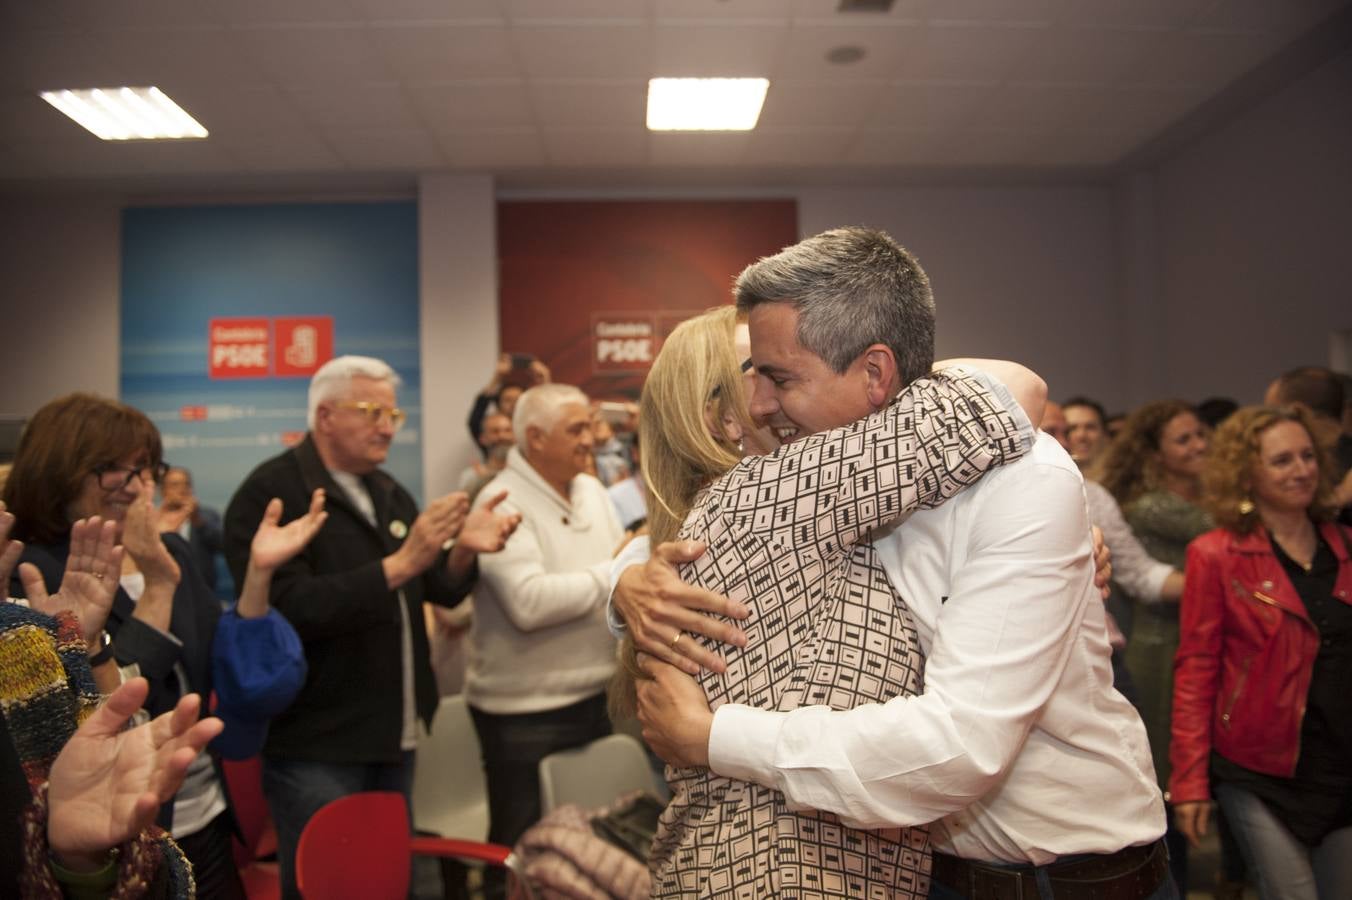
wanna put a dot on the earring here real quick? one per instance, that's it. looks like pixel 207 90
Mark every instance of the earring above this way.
pixel 1245 507
pixel 741 447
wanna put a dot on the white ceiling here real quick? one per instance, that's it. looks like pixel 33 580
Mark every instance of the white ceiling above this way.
pixel 552 92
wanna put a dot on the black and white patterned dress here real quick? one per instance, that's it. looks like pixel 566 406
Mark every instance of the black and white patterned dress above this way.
pixel 789 535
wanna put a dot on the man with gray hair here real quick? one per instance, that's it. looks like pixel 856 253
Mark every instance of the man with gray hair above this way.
pixel 355 597
pixel 1033 773
pixel 541 653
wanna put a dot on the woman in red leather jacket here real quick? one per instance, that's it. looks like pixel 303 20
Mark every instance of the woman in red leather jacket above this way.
pixel 1263 676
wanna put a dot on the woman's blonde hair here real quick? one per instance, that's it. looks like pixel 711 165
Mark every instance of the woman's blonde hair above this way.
pixel 696 380
pixel 1228 478
pixel 1127 467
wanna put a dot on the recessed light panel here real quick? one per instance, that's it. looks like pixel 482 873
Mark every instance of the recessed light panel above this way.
pixel 705 104
pixel 127 113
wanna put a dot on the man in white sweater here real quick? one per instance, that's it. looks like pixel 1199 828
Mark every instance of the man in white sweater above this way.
pixel 540 651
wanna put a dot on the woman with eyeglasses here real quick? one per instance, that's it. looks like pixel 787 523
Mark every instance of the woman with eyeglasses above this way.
pixel 81 456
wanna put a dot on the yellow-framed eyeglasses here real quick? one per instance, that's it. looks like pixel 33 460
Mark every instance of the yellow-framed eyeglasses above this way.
pixel 376 412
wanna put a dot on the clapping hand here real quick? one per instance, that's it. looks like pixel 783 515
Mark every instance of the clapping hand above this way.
pixel 141 537
pixel 486 531
pixel 107 784
pixel 89 584
pixel 273 545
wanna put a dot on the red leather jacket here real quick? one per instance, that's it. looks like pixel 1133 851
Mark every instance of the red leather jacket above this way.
pixel 1245 657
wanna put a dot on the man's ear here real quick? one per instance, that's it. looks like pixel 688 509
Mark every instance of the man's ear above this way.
pixel 534 437
pixel 880 372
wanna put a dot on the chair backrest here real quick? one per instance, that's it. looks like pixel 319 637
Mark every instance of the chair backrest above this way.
pixel 596 774
pixel 450 797
pixel 356 847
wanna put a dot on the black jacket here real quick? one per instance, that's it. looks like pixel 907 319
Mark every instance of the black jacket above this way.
pixel 334 594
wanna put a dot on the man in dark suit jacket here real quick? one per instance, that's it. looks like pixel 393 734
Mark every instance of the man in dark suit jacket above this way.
pixel 355 597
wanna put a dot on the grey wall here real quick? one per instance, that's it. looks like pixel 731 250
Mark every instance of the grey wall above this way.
pixel 60 266
pixel 1254 225
pixel 1018 273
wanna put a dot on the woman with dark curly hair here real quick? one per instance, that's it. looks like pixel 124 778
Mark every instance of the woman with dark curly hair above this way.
pixel 1260 715
pixel 1153 469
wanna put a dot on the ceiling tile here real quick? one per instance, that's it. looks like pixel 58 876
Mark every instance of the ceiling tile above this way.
pixel 1080 54
pixel 429 10
pixel 291 151
pixel 320 55
pixel 590 147
pixel 729 50
pixel 894 147
pixel 50 60
pixel 271 12
pixel 886 46
pixel 1036 107
pixel 26 116
pixel 582 103
pixel 511 148
pixel 990 10
pixel 1131 13
pixel 713 148
pixel 799 146
pixel 169 57
pixel 932 105
pixel 1080 148
pixel 354 106
pixel 705 10
pixel 224 110
pixel 383 149
pixel 813 104
pixel 140 13
pixel 585 51
pixel 491 103
pixel 958 52
pixel 440 52
pixel 96 158
pixel 577 9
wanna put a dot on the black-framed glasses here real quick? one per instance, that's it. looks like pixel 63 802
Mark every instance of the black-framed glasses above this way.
pixel 375 412
pixel 115 478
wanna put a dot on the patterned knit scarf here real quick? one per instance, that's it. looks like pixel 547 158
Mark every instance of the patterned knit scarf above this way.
pixel 46 691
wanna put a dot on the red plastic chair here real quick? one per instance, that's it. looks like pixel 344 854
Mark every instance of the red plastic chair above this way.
pixel 262 880
pixel 359 847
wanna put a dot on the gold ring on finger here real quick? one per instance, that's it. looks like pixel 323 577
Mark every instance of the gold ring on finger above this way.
pixel 677 639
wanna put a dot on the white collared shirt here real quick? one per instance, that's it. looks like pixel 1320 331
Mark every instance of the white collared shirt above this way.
pixel 1019 750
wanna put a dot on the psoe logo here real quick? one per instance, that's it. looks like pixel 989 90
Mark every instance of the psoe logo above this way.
pixel 258 348
pixel 303 344
pixel 238 348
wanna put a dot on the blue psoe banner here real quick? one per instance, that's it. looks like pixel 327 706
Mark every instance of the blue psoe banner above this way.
pixel 227 310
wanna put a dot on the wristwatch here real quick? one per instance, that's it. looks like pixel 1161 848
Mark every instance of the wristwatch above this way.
pixel 105 651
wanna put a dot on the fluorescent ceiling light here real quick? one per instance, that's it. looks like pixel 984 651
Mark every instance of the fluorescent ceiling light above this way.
pixel 705 104
pixel 127 113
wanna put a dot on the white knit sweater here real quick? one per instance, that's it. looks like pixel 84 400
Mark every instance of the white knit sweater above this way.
pixel 539 640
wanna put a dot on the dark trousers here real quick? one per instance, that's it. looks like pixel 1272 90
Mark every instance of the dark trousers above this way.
pixel 512 747
pixel 296 789
pixel 211 852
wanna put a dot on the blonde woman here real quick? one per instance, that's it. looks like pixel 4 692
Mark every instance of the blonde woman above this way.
pixel 789 537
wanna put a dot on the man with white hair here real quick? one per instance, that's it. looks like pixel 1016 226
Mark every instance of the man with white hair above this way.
pixel 355 596
pixel 541 653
